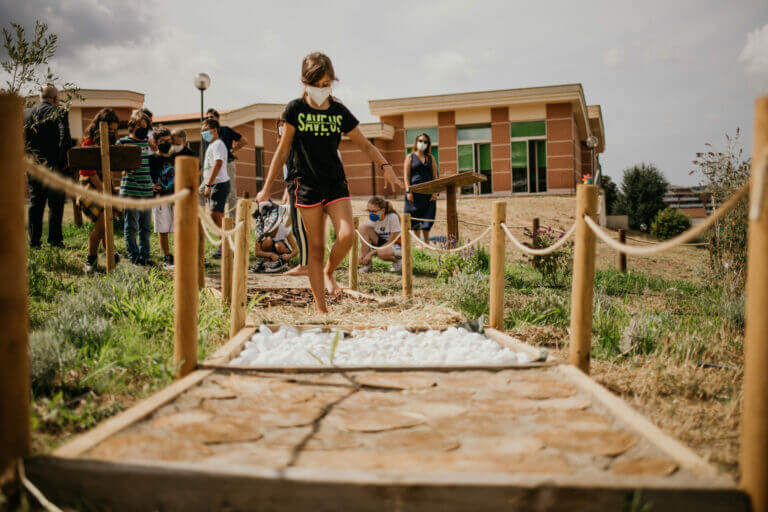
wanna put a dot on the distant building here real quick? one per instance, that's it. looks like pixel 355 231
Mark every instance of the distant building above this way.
pixel 694 202
pixel 529 140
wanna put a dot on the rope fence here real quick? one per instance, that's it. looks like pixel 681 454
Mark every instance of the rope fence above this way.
pixel 539 252
pixel 71 188
pixel 673 242
pixel 209 226
pixel 388 244
pixel 431 247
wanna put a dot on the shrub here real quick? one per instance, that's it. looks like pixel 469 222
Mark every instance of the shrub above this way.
pixel 468 293
pixel 611 193
pixel 642 194
pixel 724 173
pixel 555 267
pixel 49 355
pixel 468 261
pixel 669 223
pixel 548 308
pixel 641 334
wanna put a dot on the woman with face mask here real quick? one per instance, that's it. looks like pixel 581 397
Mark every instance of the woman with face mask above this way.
pixel 420 167
pixel 312 130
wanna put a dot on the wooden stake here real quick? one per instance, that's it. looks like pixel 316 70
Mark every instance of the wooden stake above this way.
pixel 535 227
pixel 200 255
pixel 226 263
pixel 622 255
pixel 498 247
pixel 240 270
pixel 106 187
pixel 754 438
pixel 186 239
pixel 14 346
pixel 583 278
pixel 407 264
pixel 353 258
pixel 452 217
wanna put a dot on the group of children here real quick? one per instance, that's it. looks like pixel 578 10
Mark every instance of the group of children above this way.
pixel 308 156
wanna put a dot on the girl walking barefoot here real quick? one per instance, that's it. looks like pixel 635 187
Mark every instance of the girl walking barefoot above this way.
pixel 314 124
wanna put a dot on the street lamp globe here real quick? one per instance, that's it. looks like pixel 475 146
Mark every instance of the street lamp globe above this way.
pixel 202 81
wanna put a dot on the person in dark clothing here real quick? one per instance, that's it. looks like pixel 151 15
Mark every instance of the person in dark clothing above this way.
pixel 46 133
pixel 233 141
pixel 420 167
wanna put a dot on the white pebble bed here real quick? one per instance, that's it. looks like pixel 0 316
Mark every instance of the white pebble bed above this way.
pixel 394 346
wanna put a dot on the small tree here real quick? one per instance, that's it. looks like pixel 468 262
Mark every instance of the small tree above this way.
pixel 611 193
pixel 724 173
pixel 27 64
pixel 642 194
pixel 669 223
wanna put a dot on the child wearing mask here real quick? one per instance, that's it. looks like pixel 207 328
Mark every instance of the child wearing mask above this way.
pixel 215 178
pixel 179 141
pixel 382 227
pixel 161 168
pixel 137 183
pixel 314 124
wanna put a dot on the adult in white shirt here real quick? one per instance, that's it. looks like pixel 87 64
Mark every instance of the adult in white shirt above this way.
pixel 383 227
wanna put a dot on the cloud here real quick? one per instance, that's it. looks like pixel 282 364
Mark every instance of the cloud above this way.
pixel 448 68
pixel 613 57
pixel 754 57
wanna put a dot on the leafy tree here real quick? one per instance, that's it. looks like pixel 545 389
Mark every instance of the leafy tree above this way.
pixel 642 194
pixel 611 193
pixel 27 64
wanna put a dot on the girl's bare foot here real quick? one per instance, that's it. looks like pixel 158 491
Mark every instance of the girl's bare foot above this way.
pixel 300 270
pixel 330 284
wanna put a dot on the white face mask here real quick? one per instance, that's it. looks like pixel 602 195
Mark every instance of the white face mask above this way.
pixel 176 148
pixel 318 95
pixel 421 146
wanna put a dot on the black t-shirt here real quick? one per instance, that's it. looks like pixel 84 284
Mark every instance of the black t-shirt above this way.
pixel 228 136
pixel 316 142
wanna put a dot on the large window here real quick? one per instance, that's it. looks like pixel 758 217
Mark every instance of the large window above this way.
pixel 474 153
pixel 529 156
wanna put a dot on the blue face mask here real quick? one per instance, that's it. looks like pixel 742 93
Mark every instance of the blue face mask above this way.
pixel 374 216
pixel 207 135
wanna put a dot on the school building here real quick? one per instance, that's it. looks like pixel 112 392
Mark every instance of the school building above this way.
pixel 525 141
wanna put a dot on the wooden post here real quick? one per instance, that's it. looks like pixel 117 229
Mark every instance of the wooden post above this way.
pixel 754 437
pixel 14 346
pixel 200 255
pixel 535 227
pixel 226 263
pixel 622 255
pixel 498 246
pixel 106 187
pixel 407 264
pixel 240 270
pixel 583 278
pixel 185 240
pixel 353 258
pixel 452 217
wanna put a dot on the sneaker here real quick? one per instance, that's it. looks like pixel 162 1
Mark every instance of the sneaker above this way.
pixel 257 267
pixel 397 266
pixel 168 262
pixel 217 254
pixel 117 258
pixel 365 269
pixel 145 262
pixel 90 264
pixel 273 267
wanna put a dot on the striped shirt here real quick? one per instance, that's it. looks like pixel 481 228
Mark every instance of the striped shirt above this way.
pixel 137 182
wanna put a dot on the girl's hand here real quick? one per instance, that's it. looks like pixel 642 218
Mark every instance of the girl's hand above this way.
pixel 390 180
pixel 207 192
pixel 433 198
pixel 274 257
pixel 409 196
pixel 262 196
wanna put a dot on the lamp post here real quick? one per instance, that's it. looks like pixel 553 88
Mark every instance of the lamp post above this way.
pixel 592 143
pixel 202 82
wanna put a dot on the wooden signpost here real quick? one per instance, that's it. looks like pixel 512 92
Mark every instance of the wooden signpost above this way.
pixel 449 184
pixel 106 158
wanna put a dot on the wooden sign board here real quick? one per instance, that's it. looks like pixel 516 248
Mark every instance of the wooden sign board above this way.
pixel 120 157
pixel 457 180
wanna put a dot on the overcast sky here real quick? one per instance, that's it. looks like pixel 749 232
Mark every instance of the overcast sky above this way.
pixel 670 75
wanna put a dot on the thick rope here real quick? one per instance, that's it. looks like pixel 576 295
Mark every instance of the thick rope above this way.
pixel 210 224
pixel 66 185
pixel 673 242
pixel 455 249
pixel 651 242
pixel 539 252
pixel 427 220
pixel 388 244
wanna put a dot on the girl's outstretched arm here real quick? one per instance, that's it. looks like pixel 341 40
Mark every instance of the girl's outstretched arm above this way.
pixel 390 179
pixel 278 161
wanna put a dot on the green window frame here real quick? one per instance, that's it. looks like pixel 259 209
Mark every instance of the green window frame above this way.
pixel 478 133
pixel 412 133
pixel 525 129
